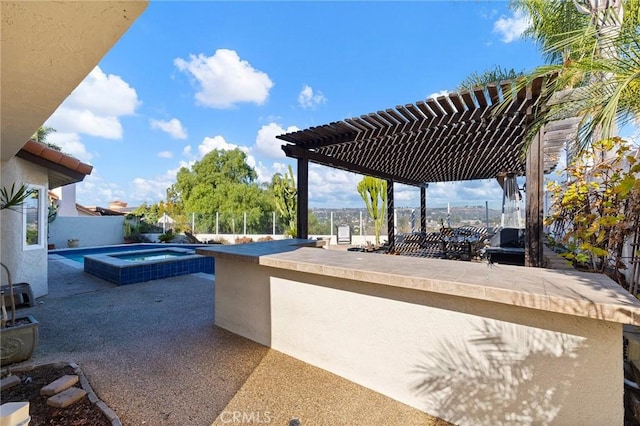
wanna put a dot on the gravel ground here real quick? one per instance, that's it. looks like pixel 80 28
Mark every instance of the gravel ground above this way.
pixel 152 353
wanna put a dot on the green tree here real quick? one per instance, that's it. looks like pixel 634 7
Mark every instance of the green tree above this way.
pixel 286 202
pixel 222 182
pixel 316 227
pixel 374 193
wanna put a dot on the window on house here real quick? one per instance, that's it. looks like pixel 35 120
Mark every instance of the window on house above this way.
pixel 34 220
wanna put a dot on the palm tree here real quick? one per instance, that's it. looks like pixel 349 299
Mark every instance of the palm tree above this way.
pixel 598 77
pixel 494 75
pixel 41 136
pixel 550 23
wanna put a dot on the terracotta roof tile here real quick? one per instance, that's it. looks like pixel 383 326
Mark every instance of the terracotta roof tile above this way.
pixel 70 162
pixel 52 155
pixel 34 147
pixel 85 169
pixel 57 157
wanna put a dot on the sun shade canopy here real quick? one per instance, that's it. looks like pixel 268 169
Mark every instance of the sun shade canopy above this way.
pixel 456 137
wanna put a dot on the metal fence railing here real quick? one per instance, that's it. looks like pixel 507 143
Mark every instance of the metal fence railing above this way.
pixel 327 221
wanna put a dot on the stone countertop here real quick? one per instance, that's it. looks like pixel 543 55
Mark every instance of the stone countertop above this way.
pixel 252 252
pixel 569 292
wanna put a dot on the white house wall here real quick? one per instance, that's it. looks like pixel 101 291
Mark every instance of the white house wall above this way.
pixel 90 230
pixel 25 265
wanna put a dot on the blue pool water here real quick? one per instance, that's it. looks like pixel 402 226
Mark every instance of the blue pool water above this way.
pixel 139 257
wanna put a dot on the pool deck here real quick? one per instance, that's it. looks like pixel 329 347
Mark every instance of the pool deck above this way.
pixel 153 354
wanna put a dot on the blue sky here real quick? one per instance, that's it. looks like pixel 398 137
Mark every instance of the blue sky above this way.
pixel 189 77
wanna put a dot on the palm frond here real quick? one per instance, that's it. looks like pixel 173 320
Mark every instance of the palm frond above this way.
pixel 15 197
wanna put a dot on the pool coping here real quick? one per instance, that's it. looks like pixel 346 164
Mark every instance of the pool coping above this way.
pixel 113 260
pixel 58 254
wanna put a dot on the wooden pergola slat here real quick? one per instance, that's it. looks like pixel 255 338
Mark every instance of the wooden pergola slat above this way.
pixel 460 136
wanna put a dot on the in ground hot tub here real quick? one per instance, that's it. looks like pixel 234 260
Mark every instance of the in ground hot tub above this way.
pixel 146 265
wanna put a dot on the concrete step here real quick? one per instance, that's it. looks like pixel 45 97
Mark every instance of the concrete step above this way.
pixel 59 385
pixel 9 382
pixel 66 397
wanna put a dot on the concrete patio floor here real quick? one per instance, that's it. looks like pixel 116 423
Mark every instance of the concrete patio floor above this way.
pixel 152 353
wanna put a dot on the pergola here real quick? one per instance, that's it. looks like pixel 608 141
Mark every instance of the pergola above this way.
pixel 460 136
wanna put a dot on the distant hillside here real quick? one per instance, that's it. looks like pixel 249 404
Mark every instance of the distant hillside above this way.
pixel 459 216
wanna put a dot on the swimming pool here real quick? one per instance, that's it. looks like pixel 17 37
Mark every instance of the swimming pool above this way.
pixel 134 263
pixel 78 254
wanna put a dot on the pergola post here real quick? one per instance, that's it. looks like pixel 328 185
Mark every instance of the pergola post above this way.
pixel 534 204
pixel 423 208
pixel 303 199
pixel 391 232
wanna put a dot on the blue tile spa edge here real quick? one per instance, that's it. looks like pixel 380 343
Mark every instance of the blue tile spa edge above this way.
pixel 121 272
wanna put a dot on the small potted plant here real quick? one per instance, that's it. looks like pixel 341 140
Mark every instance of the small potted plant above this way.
pixel 18 335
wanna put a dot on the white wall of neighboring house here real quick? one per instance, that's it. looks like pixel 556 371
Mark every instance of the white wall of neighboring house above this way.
pixel 26 265
pixel 67 200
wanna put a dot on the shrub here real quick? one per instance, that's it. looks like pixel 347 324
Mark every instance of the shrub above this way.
pixel 598 208
pixel 167 237
pixel 244 240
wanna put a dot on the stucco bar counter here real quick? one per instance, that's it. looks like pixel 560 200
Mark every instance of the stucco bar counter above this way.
pixel 468 342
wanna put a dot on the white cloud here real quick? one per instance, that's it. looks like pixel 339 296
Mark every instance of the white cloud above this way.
pixel 332 187
pixel 150 190
pixel 266 172
pixel 511 27
pixel 436 95
pixel 95 191
pixel 186 151
pixel 268 144
pixel 70 144
pixel 224 79
pixel 308 99
pixel 165 154
pixel 172 173
pixel 95 106
pixel 172 127
pixel 87 122
pixel 405 195
pixel 217 142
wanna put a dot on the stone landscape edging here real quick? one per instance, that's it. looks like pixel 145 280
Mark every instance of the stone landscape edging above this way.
pixel 93 398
